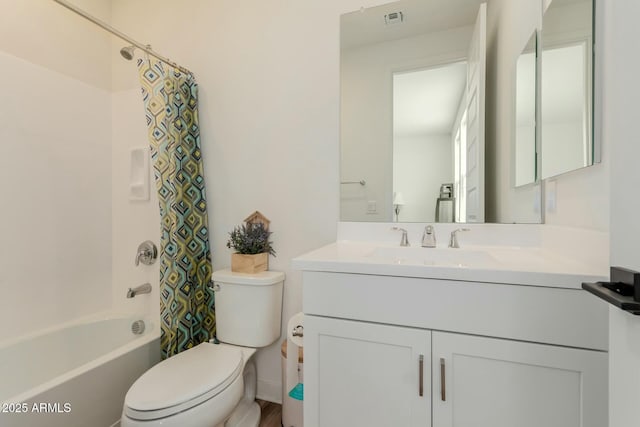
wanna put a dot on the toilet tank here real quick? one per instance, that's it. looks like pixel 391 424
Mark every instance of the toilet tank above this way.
pixel 248 307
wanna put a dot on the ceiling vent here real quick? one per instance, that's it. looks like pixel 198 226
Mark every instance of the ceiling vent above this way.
pixel 393 18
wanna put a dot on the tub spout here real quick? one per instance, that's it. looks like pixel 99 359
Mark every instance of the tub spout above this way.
pixel 142 289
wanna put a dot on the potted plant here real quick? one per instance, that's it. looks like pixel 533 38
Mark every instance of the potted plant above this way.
pixel 252 246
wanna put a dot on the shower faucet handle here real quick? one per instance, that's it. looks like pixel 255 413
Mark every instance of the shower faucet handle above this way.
pixel 147 253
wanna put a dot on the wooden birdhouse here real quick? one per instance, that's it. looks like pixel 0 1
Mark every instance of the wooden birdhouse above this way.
pixel 258 218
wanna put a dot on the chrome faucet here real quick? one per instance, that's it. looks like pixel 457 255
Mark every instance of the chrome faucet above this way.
pixel 429 237
pixel 142 289
pixel 453 241
pixel 404 241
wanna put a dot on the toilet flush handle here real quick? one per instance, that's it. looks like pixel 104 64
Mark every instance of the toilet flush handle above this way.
pixel 213 286
pixel 298 331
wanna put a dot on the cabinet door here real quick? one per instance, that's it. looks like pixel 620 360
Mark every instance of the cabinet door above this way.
pixel 487 382
pixel 360 374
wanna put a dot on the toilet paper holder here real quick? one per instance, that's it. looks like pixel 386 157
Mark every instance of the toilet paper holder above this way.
pixel 298 331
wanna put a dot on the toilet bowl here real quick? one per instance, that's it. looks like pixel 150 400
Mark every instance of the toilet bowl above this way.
pixel 199 387
pixel 214 385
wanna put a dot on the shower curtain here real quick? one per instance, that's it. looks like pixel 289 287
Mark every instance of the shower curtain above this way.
pixel 186 302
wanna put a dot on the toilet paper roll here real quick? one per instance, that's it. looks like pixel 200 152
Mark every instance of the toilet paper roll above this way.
pixel 296 323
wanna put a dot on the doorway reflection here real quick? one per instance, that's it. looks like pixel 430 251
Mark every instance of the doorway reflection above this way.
pixel 428 141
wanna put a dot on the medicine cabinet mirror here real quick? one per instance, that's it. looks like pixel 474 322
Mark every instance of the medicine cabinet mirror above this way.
pixel 567 140
pixel 525 123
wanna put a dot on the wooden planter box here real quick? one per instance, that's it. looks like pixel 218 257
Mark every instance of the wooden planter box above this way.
pixel 249 264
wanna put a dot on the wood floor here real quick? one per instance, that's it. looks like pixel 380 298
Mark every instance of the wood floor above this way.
pixel 271 414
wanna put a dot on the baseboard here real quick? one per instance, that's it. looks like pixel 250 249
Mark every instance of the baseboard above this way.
pixel 116 424
pixel 271 391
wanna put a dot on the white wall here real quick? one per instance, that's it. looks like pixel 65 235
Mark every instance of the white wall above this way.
pixel 55 128
pixel 367 118
pixel 134 221
pixel 75 133
pixel 45 33
pixel 621 94
pixel 421 164
pixel 269 97
pixel 582 196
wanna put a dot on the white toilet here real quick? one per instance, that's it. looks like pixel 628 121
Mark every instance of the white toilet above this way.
pixel 214 385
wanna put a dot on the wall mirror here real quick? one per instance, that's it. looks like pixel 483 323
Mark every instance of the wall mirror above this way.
pixel 567 141
pixel 412 112
pixel 525 122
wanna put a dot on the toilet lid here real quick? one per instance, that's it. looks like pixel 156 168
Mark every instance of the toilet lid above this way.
pixel 183 381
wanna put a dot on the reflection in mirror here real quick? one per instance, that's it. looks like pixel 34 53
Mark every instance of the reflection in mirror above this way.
pixel 566 104
pixel 525 140
pixel 403 128
pixel 426 106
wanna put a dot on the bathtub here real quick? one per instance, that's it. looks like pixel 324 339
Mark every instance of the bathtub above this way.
pixel 76 375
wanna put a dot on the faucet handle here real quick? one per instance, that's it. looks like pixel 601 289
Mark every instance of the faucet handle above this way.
pixel 453 241
pixel 140 255
pixel 147 253
pixel 404 241
pixel 429 237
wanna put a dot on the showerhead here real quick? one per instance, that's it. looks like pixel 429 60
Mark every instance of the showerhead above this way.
pixel 127 52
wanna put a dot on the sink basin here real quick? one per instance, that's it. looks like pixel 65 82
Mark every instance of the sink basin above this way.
pixel 444 257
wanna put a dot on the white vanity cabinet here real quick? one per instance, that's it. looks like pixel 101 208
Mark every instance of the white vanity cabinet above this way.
pixel 365 374
pixel 493 355
pixel 479 381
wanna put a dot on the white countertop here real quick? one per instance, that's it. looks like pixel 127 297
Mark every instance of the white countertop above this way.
pixel 526 265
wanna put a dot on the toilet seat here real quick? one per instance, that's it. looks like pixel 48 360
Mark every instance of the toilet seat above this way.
pixel 183 381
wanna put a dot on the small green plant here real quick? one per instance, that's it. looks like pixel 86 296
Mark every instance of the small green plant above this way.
pixel 250 239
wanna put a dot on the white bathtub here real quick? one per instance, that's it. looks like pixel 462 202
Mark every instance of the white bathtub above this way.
pixel 77 375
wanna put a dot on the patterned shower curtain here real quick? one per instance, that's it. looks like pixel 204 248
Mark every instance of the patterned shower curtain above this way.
pixel 186 302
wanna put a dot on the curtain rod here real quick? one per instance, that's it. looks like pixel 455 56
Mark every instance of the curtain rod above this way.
pixel 119 34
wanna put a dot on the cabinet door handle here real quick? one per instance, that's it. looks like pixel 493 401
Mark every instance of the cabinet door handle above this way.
pixel 421 374
pixel 443 382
